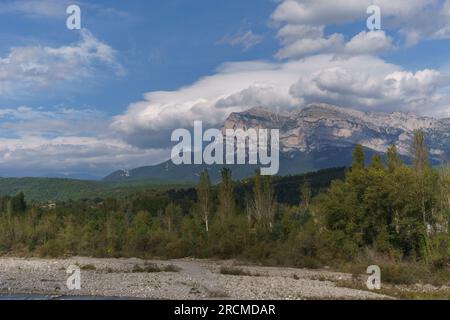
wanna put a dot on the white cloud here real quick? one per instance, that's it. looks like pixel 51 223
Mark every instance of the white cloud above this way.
pixel 38 142
pixel 56 9
pixel 414 20
pixel 361 82
pixel 246 39
pixel 34 8
pixel 369 43
pixel 235 87
pixel 36 67
pixel 356 82
pixel 307 46
pixel 71 155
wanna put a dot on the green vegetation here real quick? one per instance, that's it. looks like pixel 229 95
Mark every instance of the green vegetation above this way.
pixel 151 267
pixel 232 271
pixel 385 213
pixel 39 190
pixel 53 189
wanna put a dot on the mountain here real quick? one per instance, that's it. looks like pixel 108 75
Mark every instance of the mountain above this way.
pixel 312 138
pixel 58 189
pixel 322 126
pixel 73 176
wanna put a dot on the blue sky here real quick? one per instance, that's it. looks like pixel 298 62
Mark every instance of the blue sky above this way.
pixel 161 44
pixel 107 97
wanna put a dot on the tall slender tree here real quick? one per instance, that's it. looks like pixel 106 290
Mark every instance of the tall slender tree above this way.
pixel 263 206
pixel 205 198
pixel 305 195
pixel 226 196
pixel 393 159
pixel 171 214
pixel 358 158
pixel 419 152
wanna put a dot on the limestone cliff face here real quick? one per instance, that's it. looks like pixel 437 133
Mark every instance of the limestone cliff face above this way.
pixel 318 127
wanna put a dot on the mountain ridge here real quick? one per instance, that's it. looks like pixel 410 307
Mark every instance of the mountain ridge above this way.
pixel 313 138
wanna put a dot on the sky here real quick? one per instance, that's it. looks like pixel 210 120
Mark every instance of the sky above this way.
pixel 107 97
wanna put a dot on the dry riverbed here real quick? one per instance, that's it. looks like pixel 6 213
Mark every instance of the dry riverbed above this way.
pixel 173 279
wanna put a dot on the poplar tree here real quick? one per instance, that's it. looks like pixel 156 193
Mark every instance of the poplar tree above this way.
pixel 393 159
pixel 226 196
pixel 263 206
pixel 171 215
pixel 205 198
pixel 358 158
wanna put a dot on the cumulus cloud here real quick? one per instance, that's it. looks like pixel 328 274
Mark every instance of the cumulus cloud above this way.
pixel 245 39
pixel 308 46
pixel 350 84
pixel 235 87
pixel 413 20
pixel 72 155
pixel 369 43
pixel 362 82
pixel 36 67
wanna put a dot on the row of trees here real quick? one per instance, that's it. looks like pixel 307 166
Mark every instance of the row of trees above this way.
pixel 396 210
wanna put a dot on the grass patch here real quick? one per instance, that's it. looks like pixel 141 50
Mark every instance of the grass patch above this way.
pixel 320 278
pixel 233 271
pixel 152 267
pixel 88 267
pixel 396 292
pixel 171 268
pixel 401 272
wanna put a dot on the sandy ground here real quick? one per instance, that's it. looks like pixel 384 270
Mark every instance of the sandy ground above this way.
pixel 195 279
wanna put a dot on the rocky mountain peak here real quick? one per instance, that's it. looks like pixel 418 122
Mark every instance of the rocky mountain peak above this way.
pixel 320 126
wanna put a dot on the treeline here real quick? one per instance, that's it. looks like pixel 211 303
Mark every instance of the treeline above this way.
pixel 387 208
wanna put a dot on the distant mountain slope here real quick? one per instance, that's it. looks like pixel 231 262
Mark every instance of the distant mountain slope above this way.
pixel 322 126
pixel 316 137
pixel 55 189
pixel 51 189
pixel 290 164
pixel 43 190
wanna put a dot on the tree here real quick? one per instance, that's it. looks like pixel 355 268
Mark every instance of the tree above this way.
pixel 419 152
pixel 358 158
pixel 305 195
pixel 171 214
pixel 18 203
pixel 226 196
pixel 377 162
pixel 205 198
pixel 263 205
pixel 444 198
pixel 393 159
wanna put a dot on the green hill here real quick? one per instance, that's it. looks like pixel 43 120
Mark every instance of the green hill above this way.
pixel 54 189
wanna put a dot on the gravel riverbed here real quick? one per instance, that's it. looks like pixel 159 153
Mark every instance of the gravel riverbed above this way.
pixel 172 279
